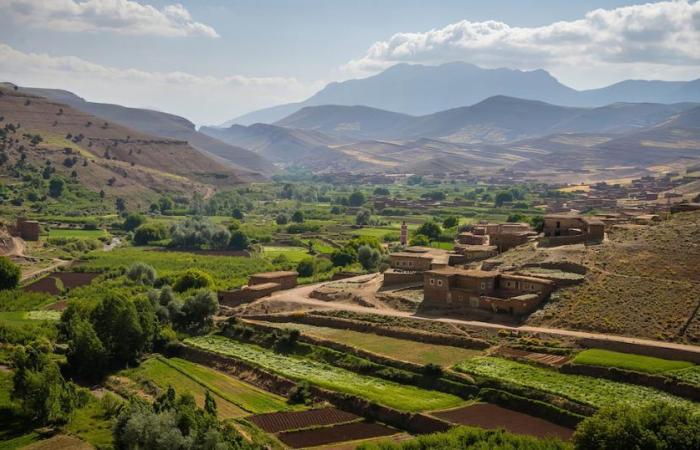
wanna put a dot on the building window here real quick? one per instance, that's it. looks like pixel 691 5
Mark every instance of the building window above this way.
pixel 432 281
pixel 558 224
pixel 483 285
pixel 439 282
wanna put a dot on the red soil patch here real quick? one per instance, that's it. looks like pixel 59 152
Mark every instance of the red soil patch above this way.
pixel 281 421
pixel 70 280
pixel 539 358
pixel 488 416
pixel 338 433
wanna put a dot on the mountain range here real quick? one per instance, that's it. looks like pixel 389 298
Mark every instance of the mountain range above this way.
pixel 416 89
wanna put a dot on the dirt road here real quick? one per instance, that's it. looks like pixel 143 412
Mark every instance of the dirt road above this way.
pixel 300 295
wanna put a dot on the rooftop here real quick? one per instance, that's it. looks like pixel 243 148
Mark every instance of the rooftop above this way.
pixel 277 274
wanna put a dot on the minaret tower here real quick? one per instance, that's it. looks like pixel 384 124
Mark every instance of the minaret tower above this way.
pixel 404 233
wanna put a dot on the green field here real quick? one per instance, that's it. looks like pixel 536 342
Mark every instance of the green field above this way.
pixel 690 375
pixel 55 233
pixel 293 254
pixel 403 397
pixel 228 272
pixel 233 397
pixel 597 392
pixel 629 361
pixel 401 349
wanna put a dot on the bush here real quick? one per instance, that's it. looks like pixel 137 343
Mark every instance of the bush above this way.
pixel 369 257
pixel 150 232
pixel 197 312
pixel 298 217
pixel 10 273
pixel 344 257
pixel 420 240
pixel 299 394
pixel 193 279
pixel 142 273
pixel 239 240
pixel 306 267
pixel 363 216
pixel 133 221
pixel 657 426
pixel 357 198
pixel 430 230
pixel 450 222
pixel 281 219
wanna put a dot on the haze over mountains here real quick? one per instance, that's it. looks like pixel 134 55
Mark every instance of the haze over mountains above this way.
pixel 419 90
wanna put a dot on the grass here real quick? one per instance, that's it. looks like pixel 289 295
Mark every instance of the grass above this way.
pixel 629 361
pixel 401 349
pixel 55 233
pixel 690 375
pixel 293 254
pixel 19 300
pixel 228 272
pixel 164 375
pixel 405 398
pixel 596 392
pixel 231 389
pixel 90 425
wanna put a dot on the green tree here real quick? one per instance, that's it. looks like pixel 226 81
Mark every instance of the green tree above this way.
pixel 450 222
pixel 657 426
pixel 56 186
pixel 209 403
pixel 237 214
pixel 420 240
pixel 239 240
pixel 150 232
pixel 87 357
pixel 143 273
pixel 368 257
pixel 357 198
pixel 197 312
pixel 10 274
pixel 192 279
pixel 430 229
pixel 44 395
pixel 120 204
pixel 306 267
pixel 116 322
pixel 298 217
pixel 503 197
pixel 363 216
pixel 133 221
pixel 281 219
pixel 343 257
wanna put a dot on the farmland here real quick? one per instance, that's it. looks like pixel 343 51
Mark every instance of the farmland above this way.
pixel 234 398
pixel 690 375
pixel 596 392
pixel 62 233
pixel 403 397
pixel 628 361
pixel 401 349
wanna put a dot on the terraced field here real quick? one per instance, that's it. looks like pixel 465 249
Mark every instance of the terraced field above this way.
pixel 401 349
pixel 596 392
pixel 233 397
pixel 402 397
pixel 628 361
pixel 690 375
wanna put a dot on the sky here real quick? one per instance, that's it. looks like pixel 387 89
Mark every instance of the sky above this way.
pixel 213 60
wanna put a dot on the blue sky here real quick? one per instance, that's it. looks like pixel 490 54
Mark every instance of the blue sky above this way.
pixel 213 60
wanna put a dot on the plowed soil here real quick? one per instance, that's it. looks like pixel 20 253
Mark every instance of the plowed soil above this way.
pixel 338 433
pixel 484 415
pixel 282 421
pixel 70 280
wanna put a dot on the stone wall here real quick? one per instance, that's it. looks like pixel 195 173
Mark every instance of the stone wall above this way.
pixel 395 277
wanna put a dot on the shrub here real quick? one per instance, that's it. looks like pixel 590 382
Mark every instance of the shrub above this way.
pixel 193 279
pixel 299 394
pixel 420 239
pixel 142 273
pixel 298 217
pixel 357 198
pixel 369 257
pixel 656 426
pixel 150 232
pixel 343 257
pixel 450 222
pixel 306 267
pixel 363 216
pixel 197 312
pixel 10 273
pixel 281 219
pixel 430 229
pixel 239 240
pixel 133 221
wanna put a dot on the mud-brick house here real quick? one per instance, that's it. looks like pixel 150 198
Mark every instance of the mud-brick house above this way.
pixel 259 285
pixel 562 229
pixel 28 230
pixel 286 279
pixel 410 261
pixel 453 288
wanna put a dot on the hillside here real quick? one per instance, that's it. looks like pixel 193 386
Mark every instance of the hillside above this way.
pixel 277 144
pixel 248 164
pixel 107 156
pixel 643 281
pixel 420 90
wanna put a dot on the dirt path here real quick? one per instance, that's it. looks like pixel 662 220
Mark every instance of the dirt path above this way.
pixel 300 296
pixel 37 272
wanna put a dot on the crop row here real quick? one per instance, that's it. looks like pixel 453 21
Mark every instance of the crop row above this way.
pixel 406 398
pixel 596 392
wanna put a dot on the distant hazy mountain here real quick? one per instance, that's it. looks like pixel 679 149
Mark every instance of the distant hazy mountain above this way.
pixel 164 125
pixel 495 120
pixel 419 90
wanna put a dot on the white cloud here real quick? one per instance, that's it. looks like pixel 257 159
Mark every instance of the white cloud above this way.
pixel 116 16
pixel 203 99
pixel 639 38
